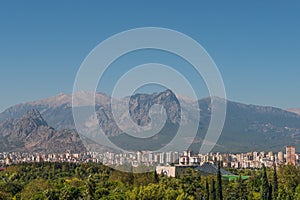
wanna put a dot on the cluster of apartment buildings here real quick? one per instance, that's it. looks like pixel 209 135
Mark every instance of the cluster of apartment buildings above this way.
pixel 243 160
pixel 8 158
pixel 147 158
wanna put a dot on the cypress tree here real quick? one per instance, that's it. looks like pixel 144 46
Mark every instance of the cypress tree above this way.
pixel 270 192
pixel 275 184
pixel 207 189
pixel 265 184
pixel 213 195
pixel 156 177
pixel 219 182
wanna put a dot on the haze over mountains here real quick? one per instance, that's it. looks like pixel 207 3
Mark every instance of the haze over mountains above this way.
pixel 28 126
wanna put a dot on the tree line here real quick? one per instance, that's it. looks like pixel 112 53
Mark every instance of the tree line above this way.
pixel 55 181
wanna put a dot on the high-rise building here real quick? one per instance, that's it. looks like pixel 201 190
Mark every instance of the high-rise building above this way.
pixel 156 158
pixel 162 158
pixel 139 156
pixel 270 155
pixel 151 157
pixel 290 155
pixel 255 156
pixel 169 157
pixel 175 157
pixel 280 156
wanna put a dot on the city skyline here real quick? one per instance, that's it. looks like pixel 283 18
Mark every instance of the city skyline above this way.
pixel 188 158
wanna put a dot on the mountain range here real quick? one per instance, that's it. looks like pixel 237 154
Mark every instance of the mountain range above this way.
pixel 48 125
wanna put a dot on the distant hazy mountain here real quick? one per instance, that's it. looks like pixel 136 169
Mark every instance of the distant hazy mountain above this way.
pixel 250 127
pixel 57 110
pixel 247 127
pixel 294 110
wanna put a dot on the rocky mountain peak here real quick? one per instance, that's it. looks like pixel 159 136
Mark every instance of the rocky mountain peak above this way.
pixel 167 95
pixel 140 105
pixel 35 117
pixel 27 124
pixel 32 133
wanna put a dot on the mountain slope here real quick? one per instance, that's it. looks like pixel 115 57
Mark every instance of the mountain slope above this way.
pixel 261 128
pixel 31 133
pixel 57 110
pixel 247 127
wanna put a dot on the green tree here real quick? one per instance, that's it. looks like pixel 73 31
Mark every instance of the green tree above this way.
pixel 207 189
pixel 219 182
pixel 70 193
pixel 213 195
pixel 156 176
pixel 5 196
pixel 264 184
pixel 90 189
pixel 101 192
pixel 236 189
pixel 275 183
pixel 35 188
pixel 270 191
pixel 297 193
pixel 242 188
pixel 191 182
pixel 288 180
pixel 51 194
pixel 10 188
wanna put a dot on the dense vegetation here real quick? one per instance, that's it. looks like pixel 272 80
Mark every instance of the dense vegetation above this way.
pixel 92 181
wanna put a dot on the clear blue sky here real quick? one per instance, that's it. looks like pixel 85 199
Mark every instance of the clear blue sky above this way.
pixel 255 44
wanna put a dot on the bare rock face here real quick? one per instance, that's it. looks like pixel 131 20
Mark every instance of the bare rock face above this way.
pixel 140 105
pixel 28 124
pixel 106 122
pixel 31 133
pixel 139 108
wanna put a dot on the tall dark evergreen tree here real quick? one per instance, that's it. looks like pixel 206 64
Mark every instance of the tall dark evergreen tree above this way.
pixel 156 178
pixel 219 182
pixel 275 183
pixel 270 192
pixel 207 189
pixel 213 195
pixel 264 184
